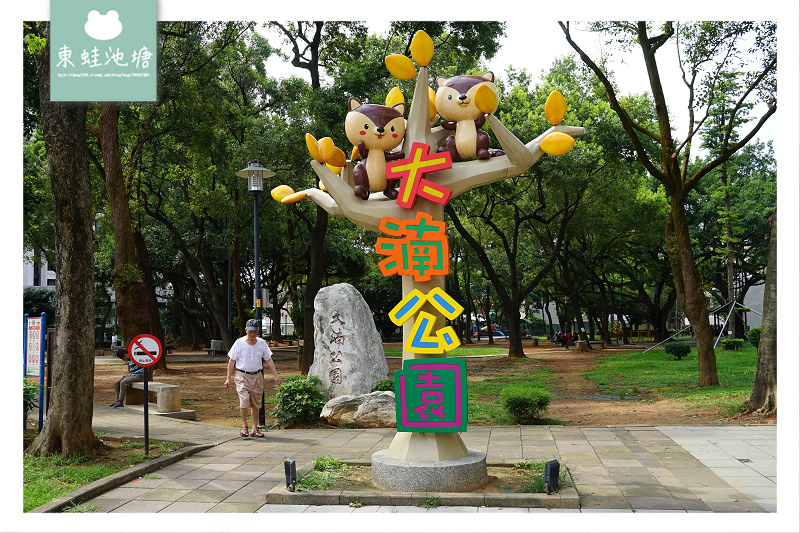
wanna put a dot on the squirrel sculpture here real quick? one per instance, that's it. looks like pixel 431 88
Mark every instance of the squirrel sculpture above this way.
pixel 456 104
pixel 375 130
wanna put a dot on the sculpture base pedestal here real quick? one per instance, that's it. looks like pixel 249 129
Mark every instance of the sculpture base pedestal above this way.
pixel 428 462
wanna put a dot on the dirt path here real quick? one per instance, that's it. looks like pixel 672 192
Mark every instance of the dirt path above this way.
pixel 575 400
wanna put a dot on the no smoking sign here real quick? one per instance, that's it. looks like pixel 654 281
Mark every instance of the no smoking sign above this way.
pixel 145 350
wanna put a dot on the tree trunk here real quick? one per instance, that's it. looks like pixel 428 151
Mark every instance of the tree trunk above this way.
pixel 689 292
pixel 153 313
pixel 313 285
pixel 68 426
pixel 764 397
pixel 127 275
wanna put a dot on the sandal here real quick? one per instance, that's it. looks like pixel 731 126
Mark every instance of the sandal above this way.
pixel 256 433
pixel 243 433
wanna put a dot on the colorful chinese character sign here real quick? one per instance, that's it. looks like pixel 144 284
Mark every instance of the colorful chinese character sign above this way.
pixel 103 51
pixel 420 249
pixel 431 396
pixel 410 172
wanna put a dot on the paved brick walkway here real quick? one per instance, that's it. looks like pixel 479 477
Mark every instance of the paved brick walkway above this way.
pixel 639 468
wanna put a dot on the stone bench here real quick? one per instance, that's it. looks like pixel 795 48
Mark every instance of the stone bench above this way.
pixel 581 345
pixel 217 348
pixel 167 397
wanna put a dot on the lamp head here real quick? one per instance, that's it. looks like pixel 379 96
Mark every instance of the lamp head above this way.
pixel 255 174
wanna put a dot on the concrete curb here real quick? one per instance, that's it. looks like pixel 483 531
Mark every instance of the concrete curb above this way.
pixel 87 492
pixel 566 498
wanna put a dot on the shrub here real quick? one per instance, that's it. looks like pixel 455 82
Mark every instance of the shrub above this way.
pixel 29 393
pixel 754 336
pixel 384 385
pixel 677 349
pixel 732 344
pixel 300 399
pixel 525 404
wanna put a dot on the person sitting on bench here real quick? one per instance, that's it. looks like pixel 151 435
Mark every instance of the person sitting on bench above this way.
pixel 135 374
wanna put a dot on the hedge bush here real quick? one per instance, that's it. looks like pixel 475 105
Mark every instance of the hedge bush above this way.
pixel 677 349
pixel 754 336
pixel 300 399
pixel 525 405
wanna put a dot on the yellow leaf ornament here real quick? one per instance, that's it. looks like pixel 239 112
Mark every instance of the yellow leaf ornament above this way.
pixel 557 143
pixel 280 192
pixel 555 108
pixel 422 48
pixel 400 66
pixel 394 97
pixel 485 99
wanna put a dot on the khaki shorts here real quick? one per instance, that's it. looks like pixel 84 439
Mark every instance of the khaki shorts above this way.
pixel 249 387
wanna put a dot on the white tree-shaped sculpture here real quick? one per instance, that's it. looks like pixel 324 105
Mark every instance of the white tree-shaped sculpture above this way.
pixel 339 201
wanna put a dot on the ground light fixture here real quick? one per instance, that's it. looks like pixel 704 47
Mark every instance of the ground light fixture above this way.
pixel 551 469
pixel 290 469
pixel 255 174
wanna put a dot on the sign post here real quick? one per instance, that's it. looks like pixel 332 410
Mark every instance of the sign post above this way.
pixel 145 350
pixel 34 355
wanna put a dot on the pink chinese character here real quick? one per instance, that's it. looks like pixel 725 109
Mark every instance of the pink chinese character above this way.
pixel 429 378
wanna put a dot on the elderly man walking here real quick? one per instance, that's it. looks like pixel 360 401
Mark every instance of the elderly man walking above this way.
pixel 246 358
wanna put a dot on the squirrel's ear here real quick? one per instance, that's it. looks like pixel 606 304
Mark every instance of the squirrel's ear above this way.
pixel 440 81
pixel 401 107
pixel 488 75
pixel 353 103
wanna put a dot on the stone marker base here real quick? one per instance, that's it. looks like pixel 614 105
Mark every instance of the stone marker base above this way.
pixel 454 475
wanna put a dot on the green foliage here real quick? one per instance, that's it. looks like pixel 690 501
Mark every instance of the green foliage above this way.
pixel 38 300
pixel 754 336
pixel 431 502
pixel 525 404
pixel 327 471
pixel 299 399
pixel 29 394
pixel 536 484
pixel 732 344
pixel 677 349
pixel 384 385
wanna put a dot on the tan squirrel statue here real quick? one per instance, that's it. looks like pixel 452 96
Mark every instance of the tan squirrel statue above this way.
pixel 375 130
pixel 463 102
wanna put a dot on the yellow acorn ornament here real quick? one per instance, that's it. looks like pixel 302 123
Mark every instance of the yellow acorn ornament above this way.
pixel 400 66
pixel 555 108
pixel 421 48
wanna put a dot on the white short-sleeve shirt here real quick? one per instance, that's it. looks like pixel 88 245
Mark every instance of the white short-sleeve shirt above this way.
pixel 249 358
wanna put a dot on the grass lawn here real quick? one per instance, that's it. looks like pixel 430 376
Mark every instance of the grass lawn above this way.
pixel 656 372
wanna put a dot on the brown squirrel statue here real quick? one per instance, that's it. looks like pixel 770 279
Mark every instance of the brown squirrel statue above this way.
pixel 456 104
pixel 375 130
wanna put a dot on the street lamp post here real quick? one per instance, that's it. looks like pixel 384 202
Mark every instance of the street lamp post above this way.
pixel 255 174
